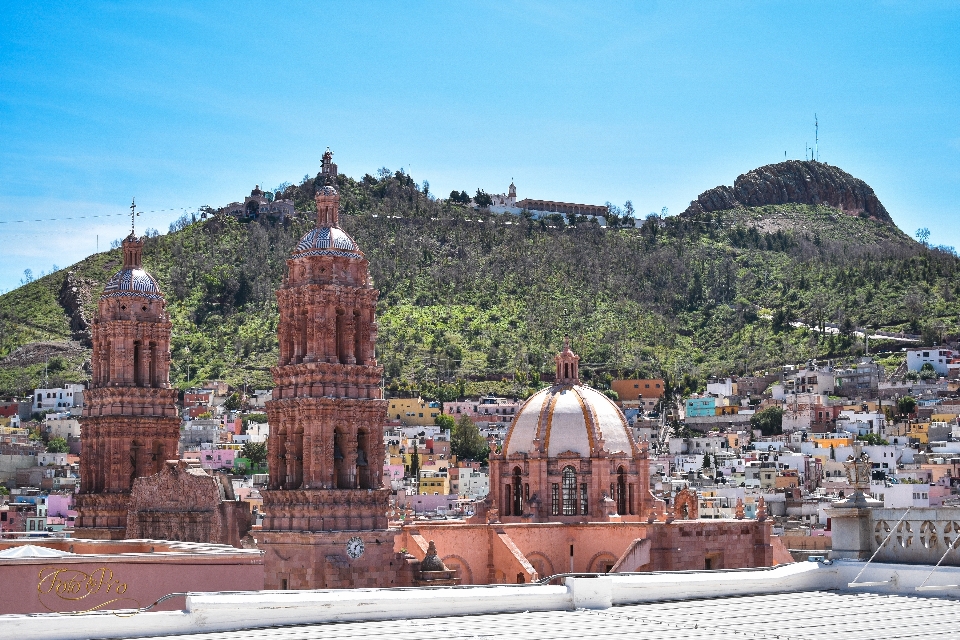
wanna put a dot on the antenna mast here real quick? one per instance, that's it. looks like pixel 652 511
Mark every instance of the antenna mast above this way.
pixel 816 137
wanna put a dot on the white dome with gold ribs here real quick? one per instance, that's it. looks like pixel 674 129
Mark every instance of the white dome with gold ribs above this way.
pixel 568 418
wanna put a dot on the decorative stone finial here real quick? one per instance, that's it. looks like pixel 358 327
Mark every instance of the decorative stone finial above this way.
pixel 738 513
pixel 761 510
pixel 431 561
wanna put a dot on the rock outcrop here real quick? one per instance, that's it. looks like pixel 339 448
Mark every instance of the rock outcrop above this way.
pixel 75 298
pixel 794 181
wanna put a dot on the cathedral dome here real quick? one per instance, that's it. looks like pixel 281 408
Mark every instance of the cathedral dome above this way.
pixel 132 282
pixel 132 279
pixel 568 418
pixel 327 241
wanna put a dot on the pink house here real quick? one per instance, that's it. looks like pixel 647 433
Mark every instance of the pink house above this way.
pixel 60 506
pixel 217 458
pixel 392 473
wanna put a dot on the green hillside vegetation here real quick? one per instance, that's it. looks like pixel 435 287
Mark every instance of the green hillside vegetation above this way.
pixel 473 302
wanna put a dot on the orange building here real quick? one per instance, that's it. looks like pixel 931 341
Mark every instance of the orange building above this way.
pixel 643 394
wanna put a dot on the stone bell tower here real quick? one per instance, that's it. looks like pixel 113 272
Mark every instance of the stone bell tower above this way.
pixel 325 511
pixel 130 422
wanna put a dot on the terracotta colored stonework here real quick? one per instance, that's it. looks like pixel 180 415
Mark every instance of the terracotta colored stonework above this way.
pixel 185 504
pixel 510 553
pixel 130 423
pixel 325 448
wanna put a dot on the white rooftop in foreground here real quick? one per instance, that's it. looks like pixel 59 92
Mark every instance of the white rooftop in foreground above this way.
pixel 798 601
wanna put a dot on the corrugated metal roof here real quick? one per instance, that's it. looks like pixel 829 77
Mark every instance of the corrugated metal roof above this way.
pixel 786 616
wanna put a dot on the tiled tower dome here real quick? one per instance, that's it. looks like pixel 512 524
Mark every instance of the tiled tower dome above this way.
pixel 132 279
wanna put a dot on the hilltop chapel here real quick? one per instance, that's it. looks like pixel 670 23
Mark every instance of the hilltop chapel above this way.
pixel 568 492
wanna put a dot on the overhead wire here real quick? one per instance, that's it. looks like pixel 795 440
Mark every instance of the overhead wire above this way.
pixel 95 215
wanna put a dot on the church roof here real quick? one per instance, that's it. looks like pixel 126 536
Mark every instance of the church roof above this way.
pixel 568 418
pixel 327 241
pixel 132 282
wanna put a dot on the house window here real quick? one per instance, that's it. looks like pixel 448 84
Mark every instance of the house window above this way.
pixel 554 493
pixel 569 478
pixel 583 498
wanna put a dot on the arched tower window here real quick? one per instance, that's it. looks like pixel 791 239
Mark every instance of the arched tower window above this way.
pixel 357 337
pixel 363 466
pixel 340 475
pixel 621 492
pixel 138 363
pixel 339 337
pixel 517 491
pixel 153 379
pixel 569 482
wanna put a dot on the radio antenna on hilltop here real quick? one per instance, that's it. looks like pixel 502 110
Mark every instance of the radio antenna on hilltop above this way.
pixel 816 137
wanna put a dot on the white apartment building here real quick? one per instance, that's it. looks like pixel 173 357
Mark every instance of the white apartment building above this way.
pixel 938 357
pixel 67 397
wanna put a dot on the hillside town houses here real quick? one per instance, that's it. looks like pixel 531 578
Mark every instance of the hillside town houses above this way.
pixel 717 443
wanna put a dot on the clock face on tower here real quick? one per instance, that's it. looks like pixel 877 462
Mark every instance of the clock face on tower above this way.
pixel 354 547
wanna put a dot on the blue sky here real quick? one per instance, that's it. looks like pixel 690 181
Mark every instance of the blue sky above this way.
pixel 186 104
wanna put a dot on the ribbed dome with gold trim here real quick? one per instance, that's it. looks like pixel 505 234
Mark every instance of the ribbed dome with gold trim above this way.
pixel 568 417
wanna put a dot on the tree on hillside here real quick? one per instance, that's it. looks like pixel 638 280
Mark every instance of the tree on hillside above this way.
pixel 445 421
pixel 233 402
pixel 58 445
pixel 466 441
pixel 769 421
pixel 906 405
pixel 459 196
pixel 706 461
pixel 255 452
pixel 482 199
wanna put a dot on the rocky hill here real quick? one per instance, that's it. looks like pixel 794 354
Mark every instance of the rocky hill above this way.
pixel 476 302
pixel 794 182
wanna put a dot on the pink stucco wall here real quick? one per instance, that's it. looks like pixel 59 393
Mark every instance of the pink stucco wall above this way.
pixel 546 548
pixel 112 581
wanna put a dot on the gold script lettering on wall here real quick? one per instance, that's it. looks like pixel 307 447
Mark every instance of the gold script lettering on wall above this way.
pixel 62 590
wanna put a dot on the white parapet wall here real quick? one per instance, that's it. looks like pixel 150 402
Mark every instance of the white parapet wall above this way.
pixel 212 612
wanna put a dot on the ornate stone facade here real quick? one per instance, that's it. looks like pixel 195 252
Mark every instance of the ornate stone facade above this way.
pixel 130 422
pixel 187 505
pixel 569 456
pixel 325 448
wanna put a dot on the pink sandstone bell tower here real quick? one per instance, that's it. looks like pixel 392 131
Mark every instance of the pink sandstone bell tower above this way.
pixel 130 422
pixel 325 510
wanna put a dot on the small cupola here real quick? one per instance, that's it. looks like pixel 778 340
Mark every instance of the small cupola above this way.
pixel 567 365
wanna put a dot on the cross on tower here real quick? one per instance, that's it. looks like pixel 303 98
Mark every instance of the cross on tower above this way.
pixel 133 214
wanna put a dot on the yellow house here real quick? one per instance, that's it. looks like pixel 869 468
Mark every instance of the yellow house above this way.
pixel 413 411
pixel 920 431
pixel 434 484
pixel 826 440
